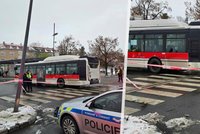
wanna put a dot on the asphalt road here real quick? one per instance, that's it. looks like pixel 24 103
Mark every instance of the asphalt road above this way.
pixel 172 94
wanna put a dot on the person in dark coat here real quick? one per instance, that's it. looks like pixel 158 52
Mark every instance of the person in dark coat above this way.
pixel 120 74
pixel 25 79
pixel 29 80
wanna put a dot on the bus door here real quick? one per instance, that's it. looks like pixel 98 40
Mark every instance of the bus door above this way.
pixel 194 50
pixel 40 74
pixel 194 46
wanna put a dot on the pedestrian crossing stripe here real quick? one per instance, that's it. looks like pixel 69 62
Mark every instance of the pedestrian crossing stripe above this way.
pixel 88 93
pixel 143 100
pixel 185 89
pixel 65 92
pixel 191 80
pixel 186 84
pixel 22 102
pixel 162 77
pixel 130 110
pixel 81 90
pixel 149 79
pixel 34 99
pixel 160 93
pixel 196 77
pixel 172 75
pixel 140 83
pixel 56 95
pixel 39 95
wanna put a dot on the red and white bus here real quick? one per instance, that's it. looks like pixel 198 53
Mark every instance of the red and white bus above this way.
pixel 64 70
pixel 164 44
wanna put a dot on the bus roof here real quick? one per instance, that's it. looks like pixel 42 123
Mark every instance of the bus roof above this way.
pixel 61 58
pixel 64 58
pixel 160 24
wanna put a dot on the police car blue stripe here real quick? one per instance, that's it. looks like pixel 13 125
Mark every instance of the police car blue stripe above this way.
pixel 102 116
pixel 96 115
pixel 78 111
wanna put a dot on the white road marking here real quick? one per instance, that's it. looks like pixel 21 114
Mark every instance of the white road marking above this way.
pixel 149 79
pixel 173 75
pixel 65 92
pixel 130 110
pixel 45 96
pixel 139 83
pixel 161 77
pixel 160 93
pixel 22 102
pixel 186 84
pixel 143 100
pixel 34 99
pixel 191 80
pixel 57 95
pixel 185 89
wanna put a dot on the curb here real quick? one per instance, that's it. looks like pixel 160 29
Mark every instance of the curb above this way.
pixel 18 126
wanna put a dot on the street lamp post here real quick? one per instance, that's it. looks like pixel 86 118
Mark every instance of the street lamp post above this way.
pixel 17 98
pixel 54 34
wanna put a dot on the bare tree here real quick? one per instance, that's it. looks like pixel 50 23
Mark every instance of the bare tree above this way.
pixel 105 49
pixel 149 9
pixel 189 11
pixel 68 46
pixel 197 10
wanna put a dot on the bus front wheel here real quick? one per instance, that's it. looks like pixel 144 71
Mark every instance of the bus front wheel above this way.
pixel 153 65
pixel 60 83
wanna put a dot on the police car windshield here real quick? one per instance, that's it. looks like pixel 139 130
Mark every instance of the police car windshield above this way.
pixel 87 99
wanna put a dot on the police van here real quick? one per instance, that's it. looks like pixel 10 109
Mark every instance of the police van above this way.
pixel 100 114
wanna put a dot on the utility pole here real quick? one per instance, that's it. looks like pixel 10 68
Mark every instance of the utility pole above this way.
pixel 17 99
pixel 54 34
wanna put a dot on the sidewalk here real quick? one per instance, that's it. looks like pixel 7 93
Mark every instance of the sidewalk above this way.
pixel 111 81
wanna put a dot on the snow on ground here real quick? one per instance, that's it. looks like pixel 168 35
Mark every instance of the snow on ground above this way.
pixel 179 123
pixel 48 110
pixel 136 125
pixel 146 124
pixel 9 119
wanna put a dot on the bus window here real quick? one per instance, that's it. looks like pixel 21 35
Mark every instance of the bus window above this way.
pixel 154 43
pixel 50 69
pixel 93 65
pixel 33 70
pixel 136 43
pixel 26 68
pixel 60 69
pixel 17 70
pixel 176 43
pixel 72 68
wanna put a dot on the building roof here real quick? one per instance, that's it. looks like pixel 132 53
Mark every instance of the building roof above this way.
pixel 12 46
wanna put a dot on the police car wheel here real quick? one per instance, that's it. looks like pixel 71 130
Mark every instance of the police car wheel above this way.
pixel 69 125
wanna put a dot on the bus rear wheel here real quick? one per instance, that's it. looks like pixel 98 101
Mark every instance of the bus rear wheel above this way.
pixel 154 69
pixel 60 83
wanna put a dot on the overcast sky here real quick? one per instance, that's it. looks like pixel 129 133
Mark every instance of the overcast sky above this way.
pixel 178 7
pixel 84 20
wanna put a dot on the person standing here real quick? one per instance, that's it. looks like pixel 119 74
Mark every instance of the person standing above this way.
pixel 25 84
pixel 29 82
pixel 120 74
